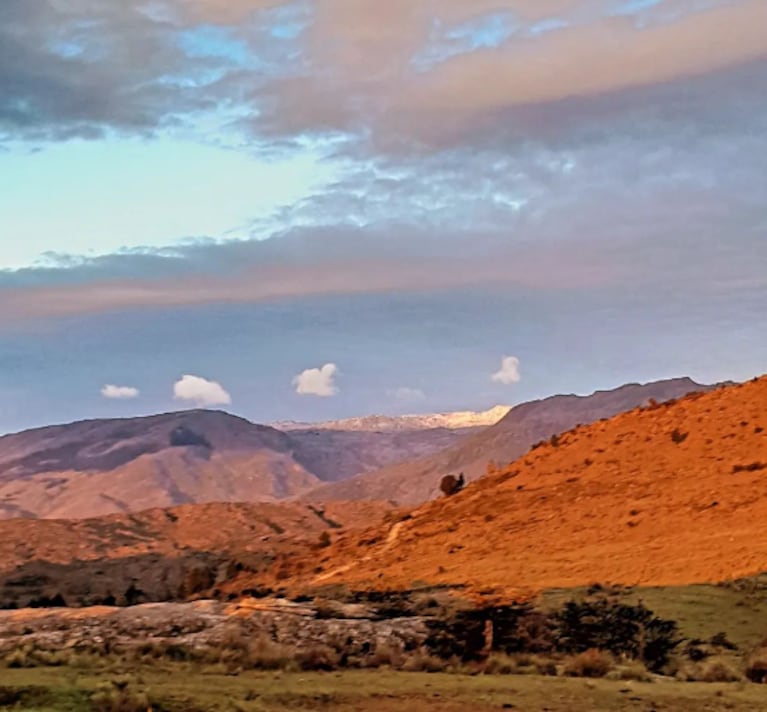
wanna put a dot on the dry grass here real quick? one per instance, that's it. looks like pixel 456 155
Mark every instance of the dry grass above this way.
pixel 590 663
pixel 519 664
pixel 714 669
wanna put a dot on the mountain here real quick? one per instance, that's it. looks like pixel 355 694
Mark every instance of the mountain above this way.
pixel 665 494
pixel 383 423
pixel 413 482
pixel 102 466
pixel 98 467
pixel 336 455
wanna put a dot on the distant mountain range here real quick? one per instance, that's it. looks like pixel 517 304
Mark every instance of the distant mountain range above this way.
pixel 451 421
pixel 100 467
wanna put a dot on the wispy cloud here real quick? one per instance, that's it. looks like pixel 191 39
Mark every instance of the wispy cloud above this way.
pixel 406 394
pixel 119 392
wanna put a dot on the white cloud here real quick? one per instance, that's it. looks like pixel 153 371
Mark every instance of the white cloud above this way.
pixel 200 391
pixel 317 381
pixel 408 395
pixel 119 392
pixel 509 372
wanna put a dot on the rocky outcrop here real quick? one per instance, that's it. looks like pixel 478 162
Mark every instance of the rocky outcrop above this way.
pixel 206 624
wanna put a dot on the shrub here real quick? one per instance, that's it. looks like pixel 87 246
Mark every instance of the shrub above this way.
pixel 420 661
pixel 750 467
pixel 589 663
pixel 264 653
pixel 318 657
pixel 712 670
pixel 678 436
pixel 756 667
pixel 720 671
pixel 460 635
pixel 385 655
pixel 518 664
pixel 116 700
pixel 633 670
pixel 720 640
pixel 621 629
pixel 531 631
pixel 500 664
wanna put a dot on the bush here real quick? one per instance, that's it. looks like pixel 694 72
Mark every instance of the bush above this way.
pixel 720 671
pixel 520 629
pixel 712 670
pixel 518 664
pixel 720 640
pixel 756 667
pixel 630 671
pixel 423 662
pixel 590 663
pixel 618 628
pixel 265 654
pixel 119 696
pixel 318 657
pixel 460 635
pixel 385 655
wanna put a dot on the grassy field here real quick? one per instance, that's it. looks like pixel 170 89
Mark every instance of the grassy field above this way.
pixel 738 609
pixel 128 684
pixel 179 688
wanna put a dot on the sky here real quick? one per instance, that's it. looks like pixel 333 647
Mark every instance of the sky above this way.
pixel 318 209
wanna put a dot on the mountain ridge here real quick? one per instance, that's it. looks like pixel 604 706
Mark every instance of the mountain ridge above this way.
pixel 423 421
pixel 410 483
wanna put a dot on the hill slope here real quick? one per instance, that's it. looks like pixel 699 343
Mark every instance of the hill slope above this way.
pixel 664 495
pixel 102 466
pixel 413 482
pixel 336 455
pixel 158 551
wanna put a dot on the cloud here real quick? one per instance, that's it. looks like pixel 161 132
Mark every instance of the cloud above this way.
pixel 509 373
pixel 294 69
pixel 408 395
pixel 366 79
pixel 631 187
pixel 317 381
pixel 119 392
pixel 201 392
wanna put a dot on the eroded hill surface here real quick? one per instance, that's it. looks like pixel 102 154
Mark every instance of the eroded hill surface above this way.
pixel 415 481
pixel 662 495
pixel 160 554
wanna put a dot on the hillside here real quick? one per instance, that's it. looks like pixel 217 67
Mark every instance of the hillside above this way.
pixel 99 467
pixel 337 455
pixel 415 481
pixel 662 495
pixel 158 551
pixel 103 466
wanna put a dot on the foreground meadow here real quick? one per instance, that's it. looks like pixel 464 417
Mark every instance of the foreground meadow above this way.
pixel 184 688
